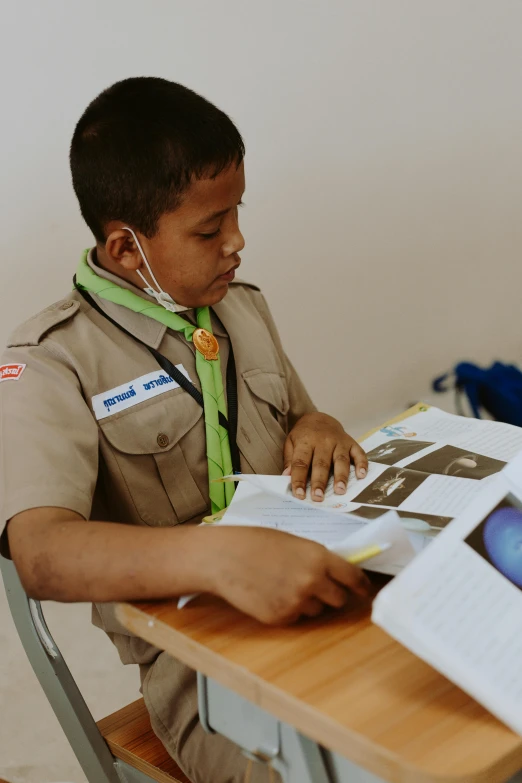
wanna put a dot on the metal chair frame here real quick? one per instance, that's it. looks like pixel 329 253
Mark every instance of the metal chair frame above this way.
pixel 93 754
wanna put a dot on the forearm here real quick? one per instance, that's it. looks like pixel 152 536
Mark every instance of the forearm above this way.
pixel 60 556
pixel 70 559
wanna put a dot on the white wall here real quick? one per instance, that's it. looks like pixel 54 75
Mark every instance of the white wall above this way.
pixel 384 168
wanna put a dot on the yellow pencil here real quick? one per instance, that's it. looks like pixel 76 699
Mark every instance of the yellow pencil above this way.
pixel 367 553
pixel 212 518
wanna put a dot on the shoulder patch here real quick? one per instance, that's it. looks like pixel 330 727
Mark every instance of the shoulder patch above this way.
pixel 36 328
pixel 11 372
pixel 239 281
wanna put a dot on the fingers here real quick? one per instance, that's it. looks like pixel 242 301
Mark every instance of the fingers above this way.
pixel 341 461
pixel 321 467
pixel 348 575
pixel 298 459
pixel 359 459
pixel 300 466
pixel 332 594
pixel 317 446
pixel 341 456
pixel 312 607
pixel 329 594
pixel 309 607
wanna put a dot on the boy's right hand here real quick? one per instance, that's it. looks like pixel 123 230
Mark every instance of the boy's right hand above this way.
pixel 277 577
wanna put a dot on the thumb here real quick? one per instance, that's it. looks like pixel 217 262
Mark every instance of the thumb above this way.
pixel 288 453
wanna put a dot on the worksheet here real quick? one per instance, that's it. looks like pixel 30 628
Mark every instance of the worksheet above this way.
pixel 428 429
pixel 343 534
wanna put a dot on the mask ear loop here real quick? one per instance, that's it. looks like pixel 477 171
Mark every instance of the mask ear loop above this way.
pixel 162 298
pixel 151 273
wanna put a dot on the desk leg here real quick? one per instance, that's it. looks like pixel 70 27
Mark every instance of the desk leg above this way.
pixel 302 760
pixel 342 770
pixel 308 762
pixel 297 758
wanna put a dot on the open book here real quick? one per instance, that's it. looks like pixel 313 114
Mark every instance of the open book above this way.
pixel 458 604
pixel 425 468
pixel 428 466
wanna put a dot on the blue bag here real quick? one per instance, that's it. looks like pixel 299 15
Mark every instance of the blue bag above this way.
pixel 498 389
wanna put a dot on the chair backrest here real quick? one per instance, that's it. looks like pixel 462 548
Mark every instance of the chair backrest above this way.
pixel 92 752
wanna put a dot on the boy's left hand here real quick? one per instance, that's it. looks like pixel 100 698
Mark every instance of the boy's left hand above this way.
pixel 317 444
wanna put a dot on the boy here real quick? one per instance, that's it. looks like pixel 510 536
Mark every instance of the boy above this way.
pixel 159 372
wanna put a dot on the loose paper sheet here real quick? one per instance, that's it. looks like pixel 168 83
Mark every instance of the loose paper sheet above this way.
pixel 342 534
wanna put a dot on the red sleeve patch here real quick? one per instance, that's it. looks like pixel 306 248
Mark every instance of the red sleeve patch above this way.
pixel 11 372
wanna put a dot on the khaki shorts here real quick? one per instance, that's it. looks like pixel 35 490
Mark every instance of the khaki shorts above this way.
pixel 170 692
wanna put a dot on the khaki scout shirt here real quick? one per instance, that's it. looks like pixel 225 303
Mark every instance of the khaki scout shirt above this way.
pixel 145 465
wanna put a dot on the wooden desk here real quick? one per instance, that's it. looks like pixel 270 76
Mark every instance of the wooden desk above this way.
pixel 342 682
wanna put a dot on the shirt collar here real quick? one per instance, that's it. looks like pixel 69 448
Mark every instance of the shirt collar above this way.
pixel 148 330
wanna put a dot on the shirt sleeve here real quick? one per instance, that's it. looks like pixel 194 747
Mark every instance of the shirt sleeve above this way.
pixel 48 436
pixel 300 401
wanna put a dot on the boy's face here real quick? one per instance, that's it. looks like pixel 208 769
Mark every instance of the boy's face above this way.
pixel 194 253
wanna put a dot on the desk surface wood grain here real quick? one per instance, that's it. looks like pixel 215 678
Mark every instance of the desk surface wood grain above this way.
pixel 343 682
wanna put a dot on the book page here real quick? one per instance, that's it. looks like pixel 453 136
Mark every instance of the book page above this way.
pixel 430 463
pixel 458 605
pixel 383 487
pixel 280 487
pixel 251 506
pixel 424 432
pixel 343 534
pixel 442 495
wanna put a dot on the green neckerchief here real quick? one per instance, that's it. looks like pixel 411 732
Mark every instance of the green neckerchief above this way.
pixel 209 373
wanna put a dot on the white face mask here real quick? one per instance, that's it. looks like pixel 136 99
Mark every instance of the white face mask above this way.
pixel 161 297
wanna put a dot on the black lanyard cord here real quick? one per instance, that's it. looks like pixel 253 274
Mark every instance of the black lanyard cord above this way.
pixel 229 424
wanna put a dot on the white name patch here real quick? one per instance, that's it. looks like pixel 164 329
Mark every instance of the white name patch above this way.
pixel 128 394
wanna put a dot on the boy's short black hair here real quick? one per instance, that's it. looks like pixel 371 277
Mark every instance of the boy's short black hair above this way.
pixel 138 146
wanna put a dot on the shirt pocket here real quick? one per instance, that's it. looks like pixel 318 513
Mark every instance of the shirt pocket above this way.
pixel 159 450
pixel 269 394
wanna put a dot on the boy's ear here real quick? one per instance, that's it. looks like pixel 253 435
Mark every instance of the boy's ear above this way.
pixel 122 249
